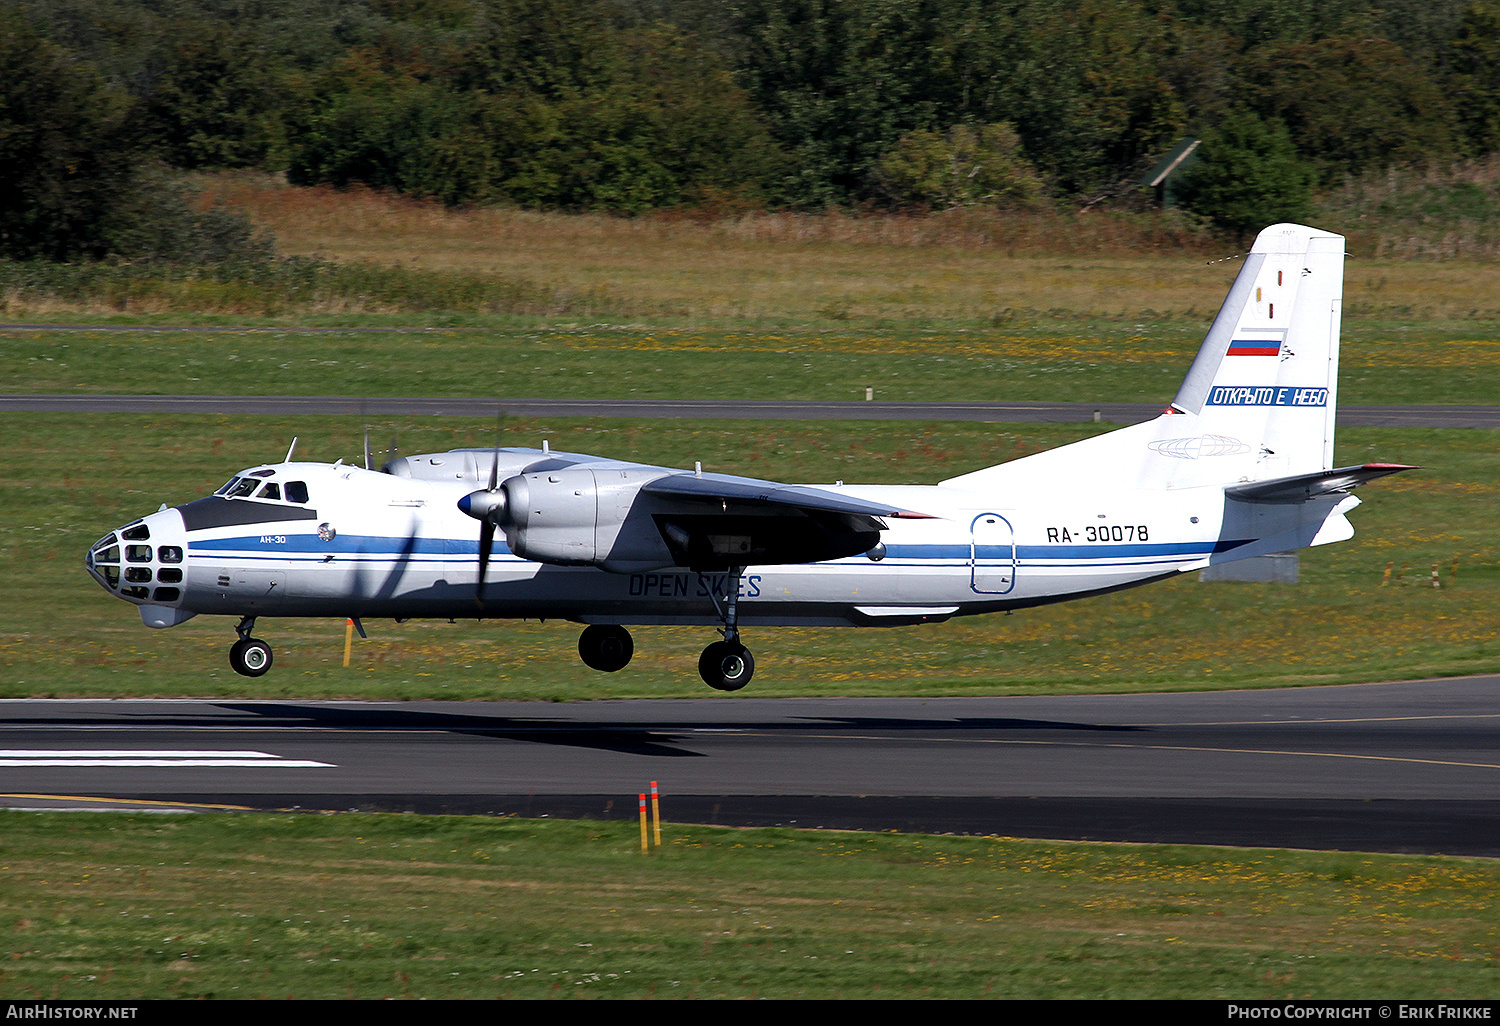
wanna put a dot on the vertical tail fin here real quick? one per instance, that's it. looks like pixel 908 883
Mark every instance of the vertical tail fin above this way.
pixel 1266 377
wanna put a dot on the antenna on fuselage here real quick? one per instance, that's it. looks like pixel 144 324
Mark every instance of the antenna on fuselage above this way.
pixel 290 449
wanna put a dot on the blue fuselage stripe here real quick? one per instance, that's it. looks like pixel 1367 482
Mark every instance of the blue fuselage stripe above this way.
pixel 309 548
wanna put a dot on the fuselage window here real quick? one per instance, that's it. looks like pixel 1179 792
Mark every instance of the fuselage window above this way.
pixel 296 491
pixel 271 491
pixel 169 553
pixel 137 553
pixel 246 486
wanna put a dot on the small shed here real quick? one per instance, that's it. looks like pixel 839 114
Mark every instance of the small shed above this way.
pixel 1160 178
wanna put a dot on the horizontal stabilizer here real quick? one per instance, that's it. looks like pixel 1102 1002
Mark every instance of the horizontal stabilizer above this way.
pixel 1301 487
pixel 751 491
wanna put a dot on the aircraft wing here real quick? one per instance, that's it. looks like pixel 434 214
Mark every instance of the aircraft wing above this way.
pixel 742 521
pixel 726 488
pixel 1301 487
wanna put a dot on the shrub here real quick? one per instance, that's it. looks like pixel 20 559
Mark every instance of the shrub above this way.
pixel 968 166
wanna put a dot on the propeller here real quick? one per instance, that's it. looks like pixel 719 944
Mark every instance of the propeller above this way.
pixel 489 506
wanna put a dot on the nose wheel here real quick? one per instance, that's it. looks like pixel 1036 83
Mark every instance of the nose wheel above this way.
pixel 249 657
pixel 605 647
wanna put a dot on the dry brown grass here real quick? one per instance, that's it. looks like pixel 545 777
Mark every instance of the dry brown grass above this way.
pixel 957 264
pixel 1446 212
pixel 951 266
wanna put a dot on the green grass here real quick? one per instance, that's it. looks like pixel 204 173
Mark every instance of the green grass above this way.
pixel 130 906
pixel 1102 363
pixel 63 484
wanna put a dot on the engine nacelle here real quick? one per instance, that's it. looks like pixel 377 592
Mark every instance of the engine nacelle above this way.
pixel 584 517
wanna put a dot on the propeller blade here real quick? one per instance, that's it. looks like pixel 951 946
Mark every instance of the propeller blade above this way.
pixel 487 523
pixel 486 543
pixel 394 451
pixel 367 447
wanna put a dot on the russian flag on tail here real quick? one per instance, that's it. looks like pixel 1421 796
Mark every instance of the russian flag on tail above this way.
pixel 1254 347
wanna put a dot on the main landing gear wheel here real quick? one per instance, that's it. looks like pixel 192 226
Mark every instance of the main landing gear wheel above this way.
pixel 605 647
pixel 250 657
pixel 726 665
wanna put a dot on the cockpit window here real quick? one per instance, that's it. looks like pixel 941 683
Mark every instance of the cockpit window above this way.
pixel 296 491
pixel 272 490
pixel 228 485
pixel 245 486
pixel 136 532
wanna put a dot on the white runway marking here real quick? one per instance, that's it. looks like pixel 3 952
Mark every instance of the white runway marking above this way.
pixel 148 757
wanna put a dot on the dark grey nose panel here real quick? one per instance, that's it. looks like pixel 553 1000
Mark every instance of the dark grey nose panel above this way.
pixel 216 512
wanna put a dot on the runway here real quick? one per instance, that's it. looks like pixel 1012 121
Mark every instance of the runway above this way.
pixel 1407 767
pixel 704 409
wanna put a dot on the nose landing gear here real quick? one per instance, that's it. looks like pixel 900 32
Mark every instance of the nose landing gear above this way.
pixel 249 657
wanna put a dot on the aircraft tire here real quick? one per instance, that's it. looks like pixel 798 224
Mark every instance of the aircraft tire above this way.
pixel 250 657
pixel 605 647
pixel 726 666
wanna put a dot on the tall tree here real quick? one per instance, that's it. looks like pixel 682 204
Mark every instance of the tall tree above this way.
pixel 1351 104
pixel 70 147
pixel 1474 77
pixel 1248 176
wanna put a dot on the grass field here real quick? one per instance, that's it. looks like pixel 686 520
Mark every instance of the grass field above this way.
pixel 166 906
pixel 1144 363
pixel 760 272
pixel 789 268
pixel 63 484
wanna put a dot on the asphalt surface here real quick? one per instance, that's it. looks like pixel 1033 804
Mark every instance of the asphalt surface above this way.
pixel 1408 767
pixel 1009 413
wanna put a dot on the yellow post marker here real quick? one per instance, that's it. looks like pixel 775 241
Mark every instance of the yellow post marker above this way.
pixel 348 642
pixel 644 849
pixel 655 814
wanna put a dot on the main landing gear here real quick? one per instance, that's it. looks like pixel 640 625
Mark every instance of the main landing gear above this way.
pixel 249 656
pixel 605 647
pixel 726 665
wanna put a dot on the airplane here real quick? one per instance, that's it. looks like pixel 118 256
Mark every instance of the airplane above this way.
pixel 1239 464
